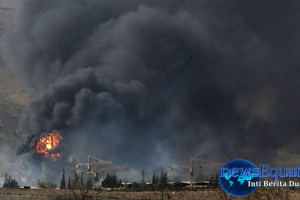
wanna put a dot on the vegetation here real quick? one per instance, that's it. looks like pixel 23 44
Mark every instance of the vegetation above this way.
pixel 81 188
pixel 10 182
pixel 63 180
pixel 111 181
pixel 162 182
pixel 158 184
pixel 69 183
pixel 46 185
pixel 214 181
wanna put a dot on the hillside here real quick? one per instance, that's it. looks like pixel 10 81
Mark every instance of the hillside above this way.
pixel 14 96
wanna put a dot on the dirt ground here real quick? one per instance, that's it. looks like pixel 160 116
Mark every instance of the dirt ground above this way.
pixel 261 193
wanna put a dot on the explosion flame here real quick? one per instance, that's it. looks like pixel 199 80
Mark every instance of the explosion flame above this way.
pixel 48 144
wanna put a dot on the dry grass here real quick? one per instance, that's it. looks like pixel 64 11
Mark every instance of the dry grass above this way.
pixel 259 194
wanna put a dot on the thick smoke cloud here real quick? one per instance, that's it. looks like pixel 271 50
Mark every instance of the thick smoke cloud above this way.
pixel 148 83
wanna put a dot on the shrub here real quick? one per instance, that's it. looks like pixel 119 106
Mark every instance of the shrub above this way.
pixel 10 182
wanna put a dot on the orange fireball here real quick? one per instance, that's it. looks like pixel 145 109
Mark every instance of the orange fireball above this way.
pixel 48 144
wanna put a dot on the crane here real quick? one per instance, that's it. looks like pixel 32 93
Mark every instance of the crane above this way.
pixel 96 161
pixel 92 161
pixel 192 167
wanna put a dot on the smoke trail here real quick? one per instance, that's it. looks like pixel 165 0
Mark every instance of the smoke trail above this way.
pixel 148 83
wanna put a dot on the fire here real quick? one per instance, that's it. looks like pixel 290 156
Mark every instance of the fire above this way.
pixel 48 144
pixel 55 157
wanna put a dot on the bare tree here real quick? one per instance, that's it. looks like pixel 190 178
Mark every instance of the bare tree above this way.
pixel 83 190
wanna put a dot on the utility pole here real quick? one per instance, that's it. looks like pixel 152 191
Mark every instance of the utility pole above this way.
pixel 143 175
pixel 192 171
pixel 161 172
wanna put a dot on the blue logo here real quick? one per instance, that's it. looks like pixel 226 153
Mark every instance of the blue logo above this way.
pixel 235 177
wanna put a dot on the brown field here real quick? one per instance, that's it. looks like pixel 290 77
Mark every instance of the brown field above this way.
pixel 261 193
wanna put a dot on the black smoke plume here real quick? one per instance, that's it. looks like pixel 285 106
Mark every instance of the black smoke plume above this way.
pixel 150 83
